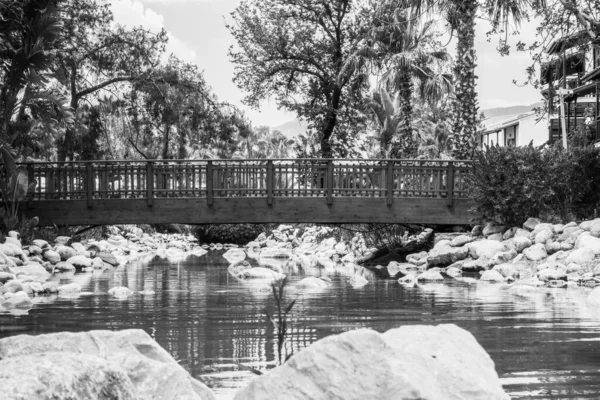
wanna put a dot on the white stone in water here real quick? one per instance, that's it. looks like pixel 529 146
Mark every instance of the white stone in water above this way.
pixel 312 283
pixel 430 276
pixel 120 292
pixel 492 277
pixel 260 273
pixel 69 290
pixel 358 281
pixel 80 262
pixel 536 252
pixel 234 255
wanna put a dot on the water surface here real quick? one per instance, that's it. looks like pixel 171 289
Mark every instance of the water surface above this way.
pixel 545 345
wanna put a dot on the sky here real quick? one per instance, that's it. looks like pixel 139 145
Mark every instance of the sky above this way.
pixel 197 34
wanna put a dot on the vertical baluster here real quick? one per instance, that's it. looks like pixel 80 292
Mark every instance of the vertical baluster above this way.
pixel 329 181
pixel 270 179
pixel 209 183
pixel 89 183
pixel 450 183
pixel 390 182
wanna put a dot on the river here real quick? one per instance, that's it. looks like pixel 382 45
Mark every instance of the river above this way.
pixel 545 345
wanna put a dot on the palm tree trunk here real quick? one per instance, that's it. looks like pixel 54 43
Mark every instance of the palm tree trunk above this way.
pixel 465 107
pixel 407 147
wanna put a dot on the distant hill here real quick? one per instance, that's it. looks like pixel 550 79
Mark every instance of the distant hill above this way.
pixel 500 111
pixel 291 129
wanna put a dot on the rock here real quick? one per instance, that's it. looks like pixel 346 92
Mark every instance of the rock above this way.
pixel 573 268
pixel 536 252
pixel 50 287
pixel 394 268
pixel 593 298
pixel 585 240
pixel 69 290
pixel 19 300
pixel 97 263
pixel 64 267
pixel 431 275
pixel 34 270
pixel 507 270
pixel 358 281
pixel 13 286
pixel 581 256
pixel 260 273
pixel 152 373
pixel 553 247
pixel 453 272
pixel 65 252
pixel 62 240
pixel 340 248
pixel 485 248
pixel 108 258
pixel 11 250
pixel 35 250
pixel 6 276
pixel 523 233
pixel 477 230
pixel 120 292
pixel 408 281
pixel 52 256
pixel 496 236
pixel 417 258
pixel 80 262
pixel 40 243
pixel 479 264
pixel 492 228
pixel 531 223
pixel 234 255
pixel 461 240
pixel 411 362
pixel 587 225
pixel 550 274
pixel 275 253
pixel 543 236
pixel 503 257
pixel 446 255
pixel 312 283
pixel 492 276
pixel 509 234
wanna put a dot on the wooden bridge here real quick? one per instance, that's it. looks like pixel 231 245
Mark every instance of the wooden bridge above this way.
pixel 249 191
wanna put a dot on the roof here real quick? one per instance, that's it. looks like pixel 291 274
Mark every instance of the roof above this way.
pixel 505 121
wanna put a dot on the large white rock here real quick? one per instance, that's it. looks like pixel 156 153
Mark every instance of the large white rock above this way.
pixel 443 254
pixel 581 256
pixel 275 253
pixel 485 248
pixel 432 275
pixel 120 292
pixel 312 283
pixel 153 373
pixel 69 290
pixel 260 273
pixel 411 362
pixel 492 276
pixel 234 255
pixel 585 240
pixel 34 270
pixel 536 252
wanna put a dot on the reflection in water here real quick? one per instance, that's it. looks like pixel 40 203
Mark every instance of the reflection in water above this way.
pixel 544 343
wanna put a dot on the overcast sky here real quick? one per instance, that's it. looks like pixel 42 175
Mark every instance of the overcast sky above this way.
pixel 197 34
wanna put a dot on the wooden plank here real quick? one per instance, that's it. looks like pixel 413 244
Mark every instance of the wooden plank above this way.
pixel 450 184
pixel 329 182
pixel 390 182
pixel 89 183
pixel 270 179
pixel 251 210
pixel 149 183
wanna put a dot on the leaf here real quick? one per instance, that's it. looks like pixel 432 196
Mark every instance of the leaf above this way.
pixel 22 185
pixel 9 162
pixel 289 307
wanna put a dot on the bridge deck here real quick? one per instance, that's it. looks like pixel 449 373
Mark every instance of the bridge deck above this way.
pixel 249 191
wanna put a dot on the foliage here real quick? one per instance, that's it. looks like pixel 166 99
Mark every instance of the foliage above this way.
pixel 262 143
pixel 280 320
pixel 14 187
pixel 514 183
pixel 295 51
pixel 230 233
pixel 28 228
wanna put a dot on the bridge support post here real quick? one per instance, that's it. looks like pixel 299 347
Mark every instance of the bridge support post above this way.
pixel 89 183
pixel 330 182
pixel 450 184
pixel 390 182
pixel 270 179
pixel 149 183
pixel 209 183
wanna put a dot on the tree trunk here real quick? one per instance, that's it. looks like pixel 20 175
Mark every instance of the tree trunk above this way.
pixel 465 107
pixel 165 152
pixel 65 148
pixel 407 147
pixel 330 123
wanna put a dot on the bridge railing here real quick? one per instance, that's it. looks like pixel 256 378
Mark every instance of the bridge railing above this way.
pixel 210 179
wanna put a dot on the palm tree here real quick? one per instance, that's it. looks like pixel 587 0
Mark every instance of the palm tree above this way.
pixel 29 29
pixel 461 15
pixel 404 51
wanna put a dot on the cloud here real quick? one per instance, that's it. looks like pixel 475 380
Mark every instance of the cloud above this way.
pixel 133 13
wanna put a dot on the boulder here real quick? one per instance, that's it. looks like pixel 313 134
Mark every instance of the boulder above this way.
pixel 260 273
pixel 79 248
pixel 65 252
pixel 432 275
pixel 581 256
pixel 35 250
pixel 80 262
pixel 64 267
pixel 234 255
pixel 34 270
pixel 313 283
pixel 536 252
pixel 52 256
pixel 69 290
pixel 550 274
pixel 19 300
pixel 461 240
pixel 492 228
pixel 453 272
pixel 6 276
pixel 503 257
pixel 522 233
pixel 507 270
pixel 340 248
pixel 410 362
pixel 531 223
pixel 12 286
pixel 108 258
pixel 40 243
pixel 446 255
pixel 358 281
pixel 120 292
pixel 417 258
pixel 543 236
pixel 151 371
pixel 485 248
pixel 492 277
pixel 509 234
pixel 587 225
pixel 589 242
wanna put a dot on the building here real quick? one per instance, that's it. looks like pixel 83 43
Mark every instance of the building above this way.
pixel 574 68
pixel 514 130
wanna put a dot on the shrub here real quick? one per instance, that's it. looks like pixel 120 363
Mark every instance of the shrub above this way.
pixel 511 184
pixel 231 233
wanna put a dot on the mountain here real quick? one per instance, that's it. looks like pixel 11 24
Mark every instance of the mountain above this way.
pixel 291 129
pixel 501 111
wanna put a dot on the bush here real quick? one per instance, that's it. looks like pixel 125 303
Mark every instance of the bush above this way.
pixel 511 184
pixel 231 233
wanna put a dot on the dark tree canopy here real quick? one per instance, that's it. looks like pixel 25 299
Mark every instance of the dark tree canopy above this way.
pixel 295 52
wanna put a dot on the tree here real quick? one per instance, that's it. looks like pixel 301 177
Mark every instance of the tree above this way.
pixel 461 16
pixel 95 54
pixel 29 33
pixel 295 50
pixel 409 57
